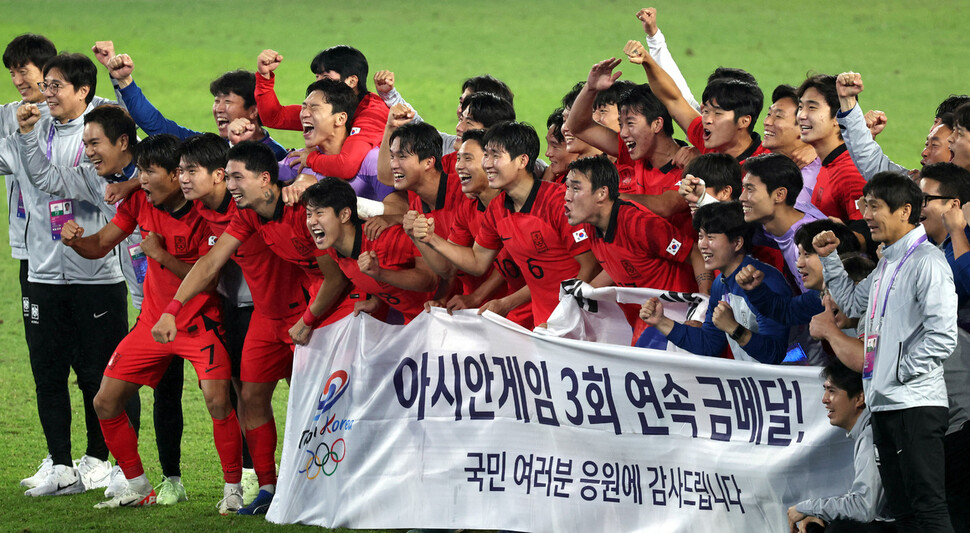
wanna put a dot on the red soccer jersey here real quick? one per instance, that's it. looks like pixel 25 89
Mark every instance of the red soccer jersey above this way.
pixel 695 134
pixel 277 286
pixel 838 186
pixel 395 251
pixel 448 162
pixel 287 236
pixel 539 239
pixel 640 249
pixel 367 129
pixel 466 227
pixel 448 201
pixel 185 235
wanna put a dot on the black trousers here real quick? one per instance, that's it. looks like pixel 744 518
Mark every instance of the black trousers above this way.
pixel 72 326
pixel 909 452
pixel 956 446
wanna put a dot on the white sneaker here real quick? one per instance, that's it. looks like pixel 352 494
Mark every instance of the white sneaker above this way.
pixel 40 476
pixel 116 482
pixel 94 472
pixel 250 485
pixel 232 499
pixel 129 498
pixel 61 479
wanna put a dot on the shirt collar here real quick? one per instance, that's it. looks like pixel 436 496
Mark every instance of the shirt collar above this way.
pixel 752 148
pixel 835 153
pixel 527 206
pixel 439 202
pixel 278 213
pixel 358 240
pixel 898 249
pixel 611 227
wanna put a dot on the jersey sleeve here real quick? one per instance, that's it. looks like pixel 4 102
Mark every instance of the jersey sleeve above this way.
pixel 126 217
pixel 369 119
pixel 849 189
pixel 149 118
pixel 240 227
pixel 488 236
pixel 660 239
pixel 460 233
pixel 271 113
pixel 695 133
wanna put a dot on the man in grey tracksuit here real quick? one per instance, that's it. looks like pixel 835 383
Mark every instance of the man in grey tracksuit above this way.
pixel 908 310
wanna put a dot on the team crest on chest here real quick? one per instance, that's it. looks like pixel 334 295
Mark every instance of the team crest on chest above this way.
pixel 301 247
pixel 181 244
pixel 630 269
pixel 539 242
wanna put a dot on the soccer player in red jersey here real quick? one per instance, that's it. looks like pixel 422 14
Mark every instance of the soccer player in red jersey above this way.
pixel 343 63
pixel 635 247
pixel 504 291
pixel 839 183
pixel 252 174
pixel 526 218
pixel 161 210
pixel 388 267
pixel 644 148
pixel 729 110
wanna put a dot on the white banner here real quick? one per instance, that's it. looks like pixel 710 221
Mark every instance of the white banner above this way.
pixel 466 422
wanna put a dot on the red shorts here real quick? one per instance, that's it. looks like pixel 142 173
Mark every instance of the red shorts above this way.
pixel 267 353
pixel 140 359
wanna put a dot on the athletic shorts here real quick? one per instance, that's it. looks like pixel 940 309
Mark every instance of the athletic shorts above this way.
pixel 267 354
pixel 140 359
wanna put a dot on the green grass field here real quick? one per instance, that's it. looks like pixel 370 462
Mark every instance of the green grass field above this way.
pixel 910 56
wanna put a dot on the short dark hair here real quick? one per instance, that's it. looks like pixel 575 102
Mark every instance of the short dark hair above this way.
pixel 28 48
pixel 161 150
pixel 77 69
pixel 776 170
pixel 600 172
pixel 474 135
pixel 954 180
pixel 344 60
pixel 640 99
pixel 843 377
pixel 857 265
pixel 555 121
pixel 570 98
pixel 741 97
pixel 239 82
pixel 256 157
pixel 516 138
pixel 334 193
pixel 488 84
pixel 951 103
pixel 961 116
pixel 612 95
pixel 726 218
pixel 115 122
pixel 488 108
pixel 420 139
pixel 338 94
pixel 947 120
pixel 896 190
pixel 848 243
pixel 824 84
pixel 784 91
pixel 207 150
pixel 718 170
pixel 732 73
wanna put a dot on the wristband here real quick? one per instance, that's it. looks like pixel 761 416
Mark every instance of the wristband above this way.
pixel 173 307
pixel 738 332
pixel 310 319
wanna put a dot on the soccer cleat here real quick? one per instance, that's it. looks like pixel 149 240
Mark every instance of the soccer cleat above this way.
pixel 169 493
pixel 259 505
pixel 232 499
pixel 250 485
pixel 40 476
pixel 129 498
pixel 94 472
pixel 116 483
pixel 61 479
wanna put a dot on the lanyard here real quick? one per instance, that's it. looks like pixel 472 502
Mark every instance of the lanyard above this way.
pixel 892 280
pixel 50 141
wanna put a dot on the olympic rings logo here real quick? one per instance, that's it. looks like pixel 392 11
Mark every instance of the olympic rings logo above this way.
pixel 326 462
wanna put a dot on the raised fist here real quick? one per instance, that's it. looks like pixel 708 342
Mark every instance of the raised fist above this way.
pixel 27 116
pixel 384 81
pixel 120 66
pixel 267 62
pixel 103 51
pixel 648 16
pixel 636 52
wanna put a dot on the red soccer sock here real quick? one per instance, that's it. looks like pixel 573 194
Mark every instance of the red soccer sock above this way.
pixel 228 438
pixel 262 448
pixel 122 441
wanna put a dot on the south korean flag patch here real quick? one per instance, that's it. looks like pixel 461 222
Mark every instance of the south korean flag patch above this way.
pixel 673 247
pixel 212 240
pixel 580 235
pixel 354 131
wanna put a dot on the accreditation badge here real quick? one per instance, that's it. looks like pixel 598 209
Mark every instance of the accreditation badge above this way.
pixel 61 211
pixel 870 356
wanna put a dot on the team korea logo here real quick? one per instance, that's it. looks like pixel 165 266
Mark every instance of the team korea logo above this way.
pixel 323 450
